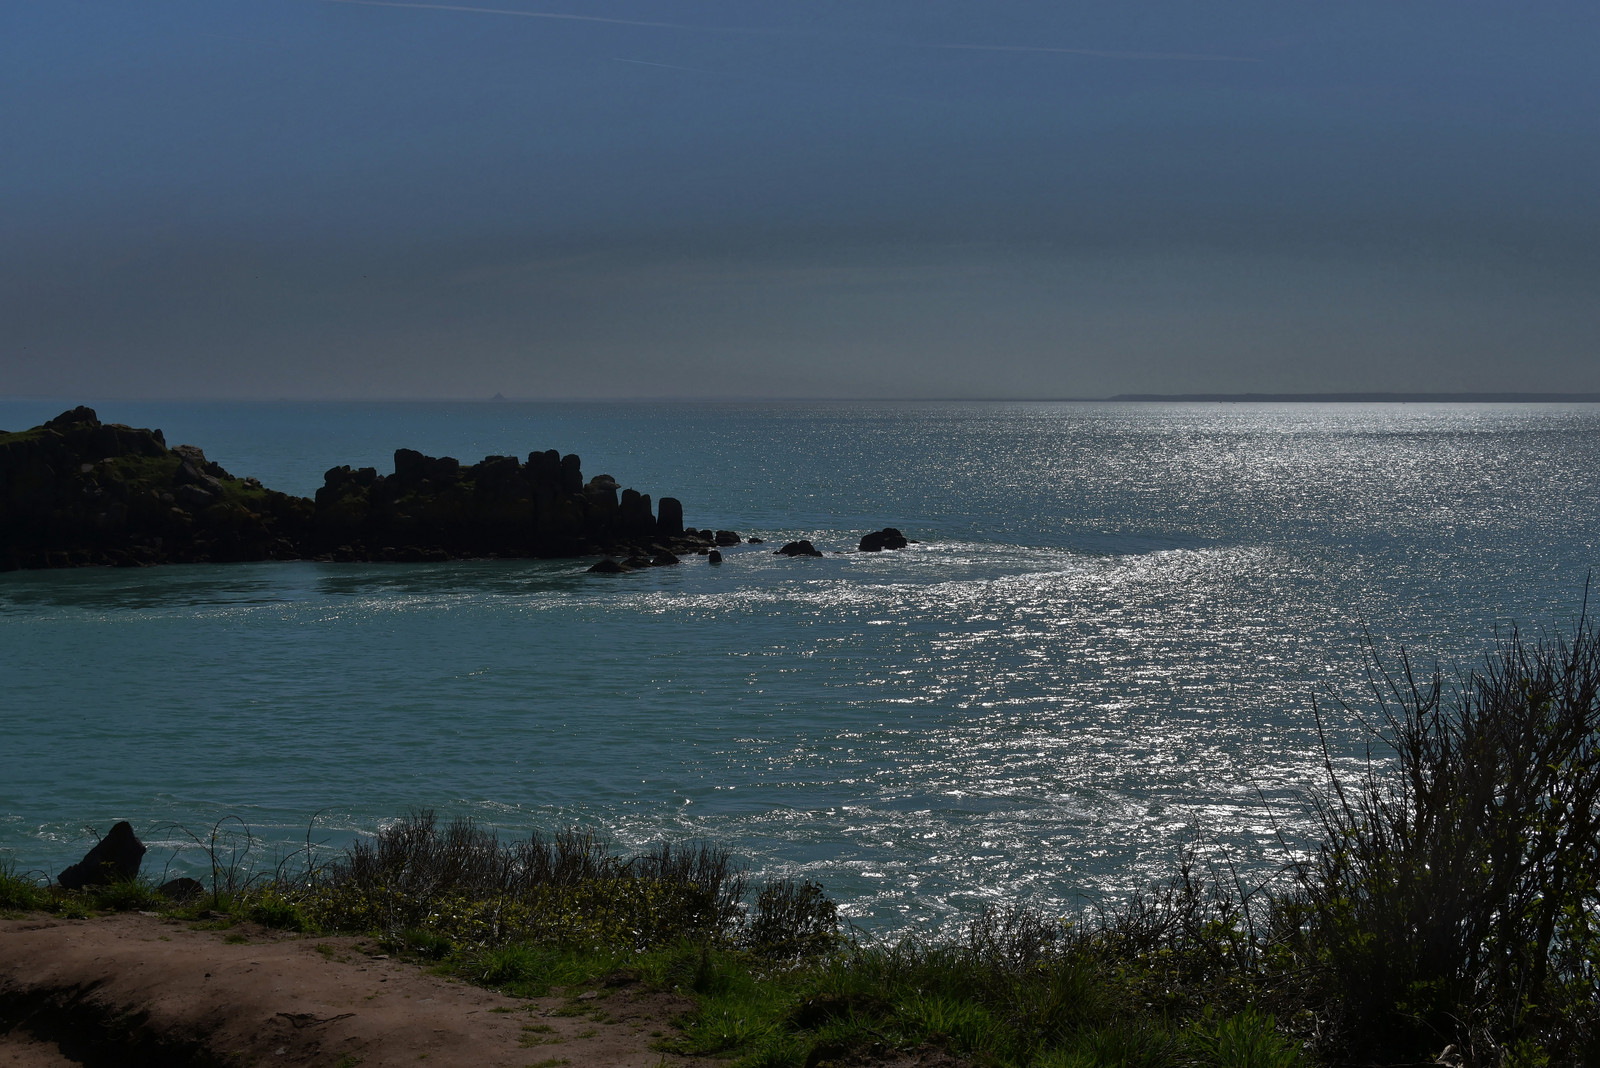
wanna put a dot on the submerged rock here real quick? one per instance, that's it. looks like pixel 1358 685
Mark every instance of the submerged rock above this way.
pixel 797 548
pixel 115 857
pixel 609 566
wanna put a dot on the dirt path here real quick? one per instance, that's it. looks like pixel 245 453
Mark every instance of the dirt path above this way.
pixel 135 989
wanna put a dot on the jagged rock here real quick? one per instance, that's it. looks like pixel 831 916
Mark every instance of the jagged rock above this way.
pixel 669 517
pixel 181 889
pixel 193 456
pixel 193 498
pixel 609 566
pixel 191 474
pixel 75 492
pixel 879 540
pixel 797 548
pixel 634 516
pixel 408 464
pixel 74 417
pixel 115 857
pixel 571 479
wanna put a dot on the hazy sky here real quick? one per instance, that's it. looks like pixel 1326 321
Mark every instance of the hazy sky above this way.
pixel 311 198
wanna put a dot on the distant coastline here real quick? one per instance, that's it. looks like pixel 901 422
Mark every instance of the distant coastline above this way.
pixel 1373 398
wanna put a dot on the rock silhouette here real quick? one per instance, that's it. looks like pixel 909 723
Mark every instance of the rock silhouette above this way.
pixel 879 540
pixel 76 492
pixel 115 857
pixel 181 889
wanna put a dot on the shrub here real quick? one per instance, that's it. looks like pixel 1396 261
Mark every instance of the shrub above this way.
pixel 1453 899
pixel 792 922
pixel 463 885
pixel 272 909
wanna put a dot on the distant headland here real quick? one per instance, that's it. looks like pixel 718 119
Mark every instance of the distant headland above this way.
pixel 1372 398
pixel 76 492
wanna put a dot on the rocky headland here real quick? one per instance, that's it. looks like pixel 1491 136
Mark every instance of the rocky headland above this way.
pixel 76 492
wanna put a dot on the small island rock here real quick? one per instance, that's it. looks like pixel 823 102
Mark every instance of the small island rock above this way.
pixel 879 540
pixel 76 492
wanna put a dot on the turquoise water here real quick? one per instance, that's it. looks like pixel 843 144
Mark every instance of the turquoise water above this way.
pixel 1111 630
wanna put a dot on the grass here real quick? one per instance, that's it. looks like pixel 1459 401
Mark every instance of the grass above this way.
pixel 1451 902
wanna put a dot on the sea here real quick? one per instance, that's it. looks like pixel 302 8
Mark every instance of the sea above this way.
pixel 1122 628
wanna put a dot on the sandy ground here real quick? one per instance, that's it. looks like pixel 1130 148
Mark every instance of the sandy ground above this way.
pixel 136 989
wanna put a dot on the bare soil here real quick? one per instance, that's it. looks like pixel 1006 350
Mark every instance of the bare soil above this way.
pixel 137 989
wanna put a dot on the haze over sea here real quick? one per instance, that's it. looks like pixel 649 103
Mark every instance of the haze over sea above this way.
pixel 1111 630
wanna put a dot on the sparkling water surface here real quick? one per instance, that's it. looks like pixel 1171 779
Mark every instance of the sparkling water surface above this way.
pixel 1110 632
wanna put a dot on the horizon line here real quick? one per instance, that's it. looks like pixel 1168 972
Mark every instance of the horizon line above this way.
pixel 1332 397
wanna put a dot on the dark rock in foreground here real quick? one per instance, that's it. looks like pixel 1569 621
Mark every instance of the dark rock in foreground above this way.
pixel 879 540
pixel 76 492
pixel 798 548
pixel 181 889
pixel 115 857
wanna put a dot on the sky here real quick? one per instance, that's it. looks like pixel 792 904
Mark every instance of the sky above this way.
pixel 795 198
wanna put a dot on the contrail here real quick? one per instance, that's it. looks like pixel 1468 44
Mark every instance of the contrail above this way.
pixel 1193 57
pixel 523 14
pixel 562 16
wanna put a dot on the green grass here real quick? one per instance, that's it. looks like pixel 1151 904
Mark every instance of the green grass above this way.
pixel 9 437
pixel 144 472
pixel 774 986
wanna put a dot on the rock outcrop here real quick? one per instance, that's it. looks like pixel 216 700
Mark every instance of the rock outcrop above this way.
pixel 115 858
pixel 499 506
pixel 798 548
pixel 182 889
pixel 76 492
pixel 879 540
